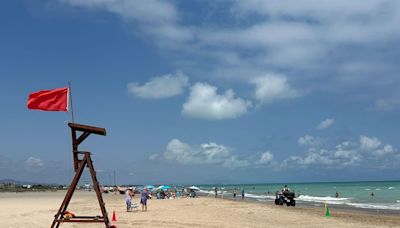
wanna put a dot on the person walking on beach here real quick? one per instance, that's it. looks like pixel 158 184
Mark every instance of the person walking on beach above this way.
pixel 234 193
pixel 216 192
pixel 242 193
pixel 143 199
pixel 128 200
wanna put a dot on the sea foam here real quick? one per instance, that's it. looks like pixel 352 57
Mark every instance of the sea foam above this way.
pixel 265 197
pixel 326 199
pixel 387 206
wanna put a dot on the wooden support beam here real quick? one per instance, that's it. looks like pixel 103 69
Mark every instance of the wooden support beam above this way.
pixel 83 136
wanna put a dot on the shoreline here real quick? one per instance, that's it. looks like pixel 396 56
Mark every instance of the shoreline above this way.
pixel 307 205
pixel 372 216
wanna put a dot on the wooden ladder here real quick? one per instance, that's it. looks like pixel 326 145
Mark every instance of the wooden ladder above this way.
pixel 59 217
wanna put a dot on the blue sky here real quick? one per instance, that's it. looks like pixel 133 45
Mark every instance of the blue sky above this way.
pixel 204 91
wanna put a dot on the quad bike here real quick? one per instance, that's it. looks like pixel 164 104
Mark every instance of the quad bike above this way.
pixel 285 197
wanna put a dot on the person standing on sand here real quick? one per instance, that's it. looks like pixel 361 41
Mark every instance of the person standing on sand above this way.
pixel 234 193
pixel 216 192
pixel 128 200
pixel 143 199
pixel 242 193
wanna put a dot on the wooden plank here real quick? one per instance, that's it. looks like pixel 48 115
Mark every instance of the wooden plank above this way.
pixel 87 128
pixel 81 220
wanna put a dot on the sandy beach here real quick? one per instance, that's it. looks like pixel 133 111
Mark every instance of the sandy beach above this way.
pixel 38 209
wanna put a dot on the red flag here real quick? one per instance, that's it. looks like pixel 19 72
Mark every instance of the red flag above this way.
pixel 49 100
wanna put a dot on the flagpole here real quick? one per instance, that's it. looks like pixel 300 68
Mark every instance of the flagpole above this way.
pixel 70 98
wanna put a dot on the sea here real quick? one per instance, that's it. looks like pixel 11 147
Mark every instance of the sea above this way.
pixel 379 195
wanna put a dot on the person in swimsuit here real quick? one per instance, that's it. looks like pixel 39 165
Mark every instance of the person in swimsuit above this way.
pixel 143 199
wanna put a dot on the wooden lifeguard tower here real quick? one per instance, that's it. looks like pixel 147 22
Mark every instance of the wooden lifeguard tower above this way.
pixel 82 159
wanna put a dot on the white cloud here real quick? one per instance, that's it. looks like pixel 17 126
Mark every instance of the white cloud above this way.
pixel 34 164
pixel 369 144
pixel 385 150
pixel 179 151
pixel 375 147
pixel 266 158
pixel 286 36
pixel 214 152
pixel 347 154
pixel 326 123
pixel 314 157
pixel 341 20
pixel 338 21
pixel 205 103
pixel 160 87
pixel 320 157
pixel 386 105
pixel 156 18
pixel 154 157
pixel 272 87
pixel 139 9
pixel 208 153
pixel 309 141
pixel 369 152
pixel 233 163
pixel 299 35
pixel 344 154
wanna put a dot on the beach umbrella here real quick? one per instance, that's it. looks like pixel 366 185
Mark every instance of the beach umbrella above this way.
pixel 163 187
pixel 149 186
pixel 194 188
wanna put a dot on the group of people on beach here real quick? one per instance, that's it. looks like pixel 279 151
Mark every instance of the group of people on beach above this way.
pixel 144 195
pixel 160 194
pixel 233 193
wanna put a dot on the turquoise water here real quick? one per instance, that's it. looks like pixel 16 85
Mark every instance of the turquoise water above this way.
pixel 353 194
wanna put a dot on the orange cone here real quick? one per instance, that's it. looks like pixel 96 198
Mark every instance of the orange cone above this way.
pixel 114 218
